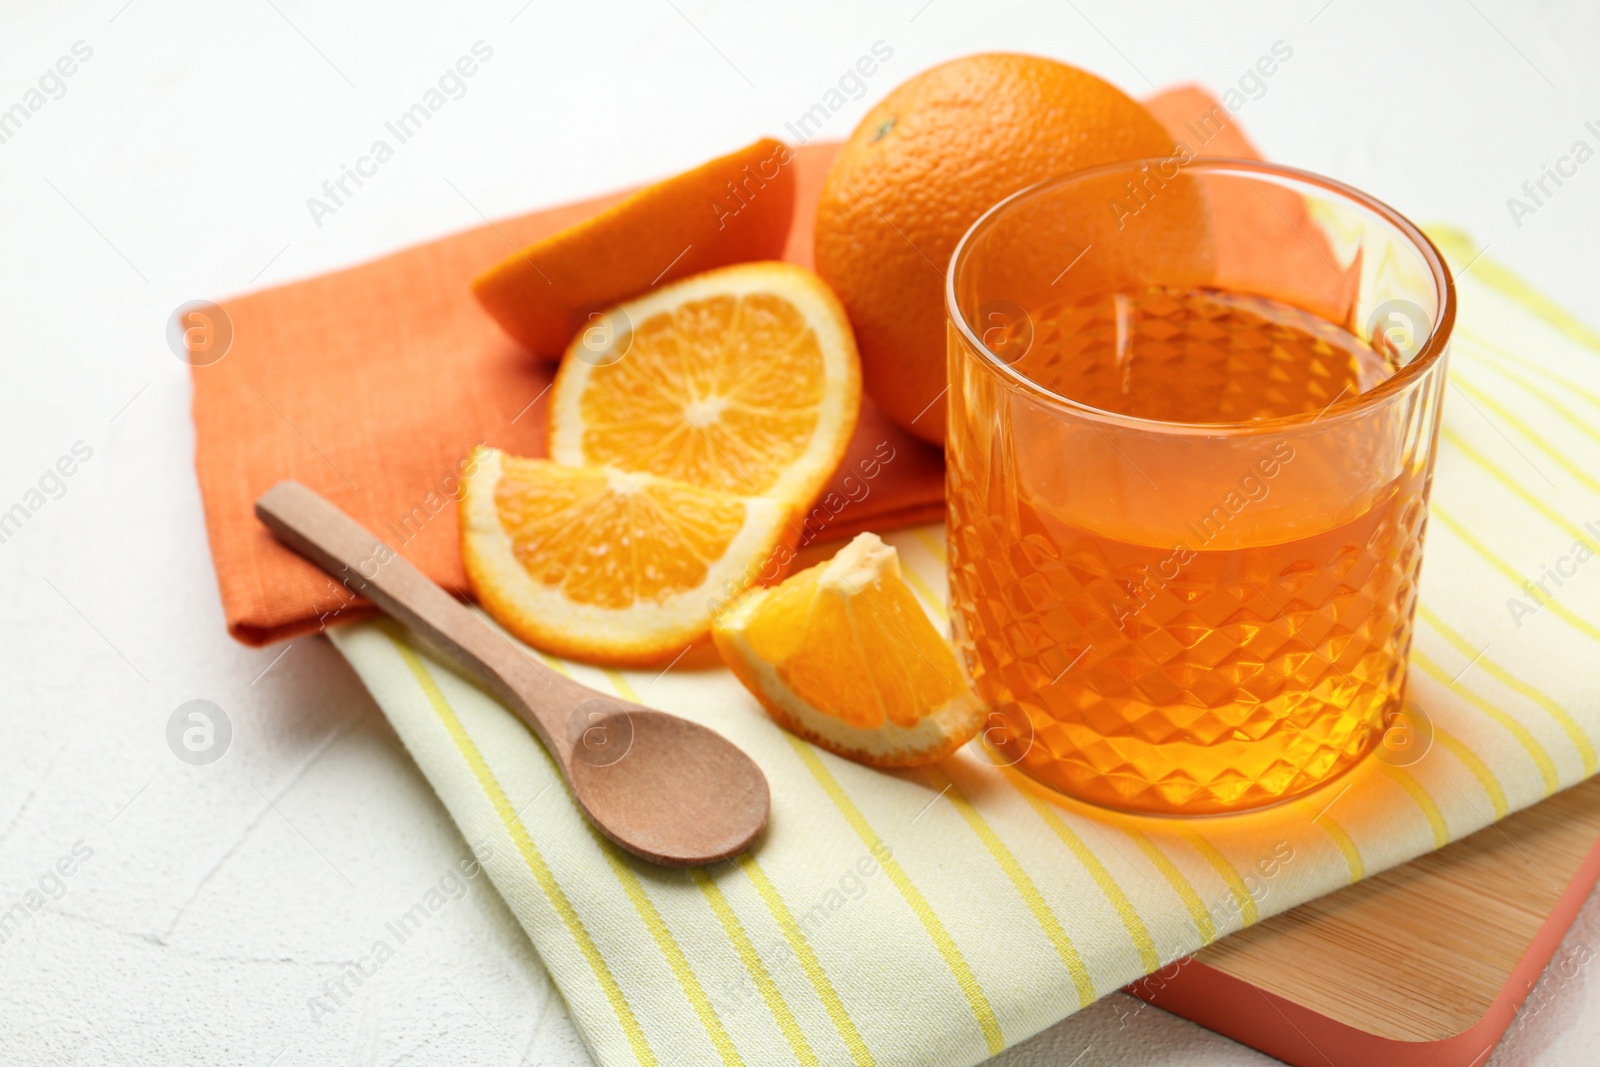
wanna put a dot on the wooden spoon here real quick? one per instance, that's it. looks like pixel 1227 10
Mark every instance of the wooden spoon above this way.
pixel 662 787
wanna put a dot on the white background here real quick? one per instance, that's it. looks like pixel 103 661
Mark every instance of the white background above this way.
pixel 177 165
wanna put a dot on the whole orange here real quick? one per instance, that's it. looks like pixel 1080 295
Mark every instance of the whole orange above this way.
pixel 936 153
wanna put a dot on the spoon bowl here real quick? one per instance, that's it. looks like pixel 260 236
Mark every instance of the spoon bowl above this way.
pixel 697 788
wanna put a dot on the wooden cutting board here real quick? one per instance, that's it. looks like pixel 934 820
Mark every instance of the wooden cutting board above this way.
pixel 1424 965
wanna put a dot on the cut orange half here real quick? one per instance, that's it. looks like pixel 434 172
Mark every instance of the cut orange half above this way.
pixel 843 655
pixel 743 379
pixel 603 565
pixel 733 209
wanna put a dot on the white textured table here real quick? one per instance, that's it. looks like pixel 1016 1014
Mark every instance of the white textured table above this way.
pixel 208 907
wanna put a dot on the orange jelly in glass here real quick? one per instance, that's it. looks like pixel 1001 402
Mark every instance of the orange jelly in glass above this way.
pixel 1187 479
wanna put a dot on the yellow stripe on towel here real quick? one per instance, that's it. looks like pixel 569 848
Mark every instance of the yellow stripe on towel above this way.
pixel 729 920
pixel 1574 732
pixel 672 953
pixel 1029 892
pixel 1477 340
pixel 1347 847
pixel 965 979
pixel 932 544
pixel 929 597
pixel 1229 873
pixel 1493 469
pixel 758 969
pixel 1501 278
pixel 1519 424
pixel 1541 758
pixel 1474 763
pixel 803 951
pixel 1180 884
pixel 530 854
pixel 1488 555
pixel 789 926
pixel 1425 801
pixel 1537 391
pixel 1109 888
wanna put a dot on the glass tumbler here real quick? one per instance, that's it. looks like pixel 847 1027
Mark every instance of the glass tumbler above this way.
pixel 1193 409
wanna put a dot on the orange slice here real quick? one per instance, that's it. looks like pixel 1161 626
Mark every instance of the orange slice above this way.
pixel 731 210
pixel 843 655
pixel 743 379
pixel 604 565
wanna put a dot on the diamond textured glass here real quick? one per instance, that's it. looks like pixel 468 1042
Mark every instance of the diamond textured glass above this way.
pixel 1192 415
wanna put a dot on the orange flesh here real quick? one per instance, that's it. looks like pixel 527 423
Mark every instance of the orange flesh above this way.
pixel 865 654
pixel 608 546
pixel 723 392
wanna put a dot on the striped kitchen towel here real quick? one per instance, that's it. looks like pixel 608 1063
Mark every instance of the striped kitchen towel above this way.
pixel 938 917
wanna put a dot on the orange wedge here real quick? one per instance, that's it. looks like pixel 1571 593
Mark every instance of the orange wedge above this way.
pixel 733 209
pixel 607 566
pixel 844 656
pixel 743 379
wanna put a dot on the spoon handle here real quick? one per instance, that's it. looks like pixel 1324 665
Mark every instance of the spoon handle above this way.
pixel 325 535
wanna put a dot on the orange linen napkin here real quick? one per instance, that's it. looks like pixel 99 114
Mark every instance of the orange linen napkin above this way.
pixel 372 384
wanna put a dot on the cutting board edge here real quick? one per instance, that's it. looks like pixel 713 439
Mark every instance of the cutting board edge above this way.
pixel 1302 1036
